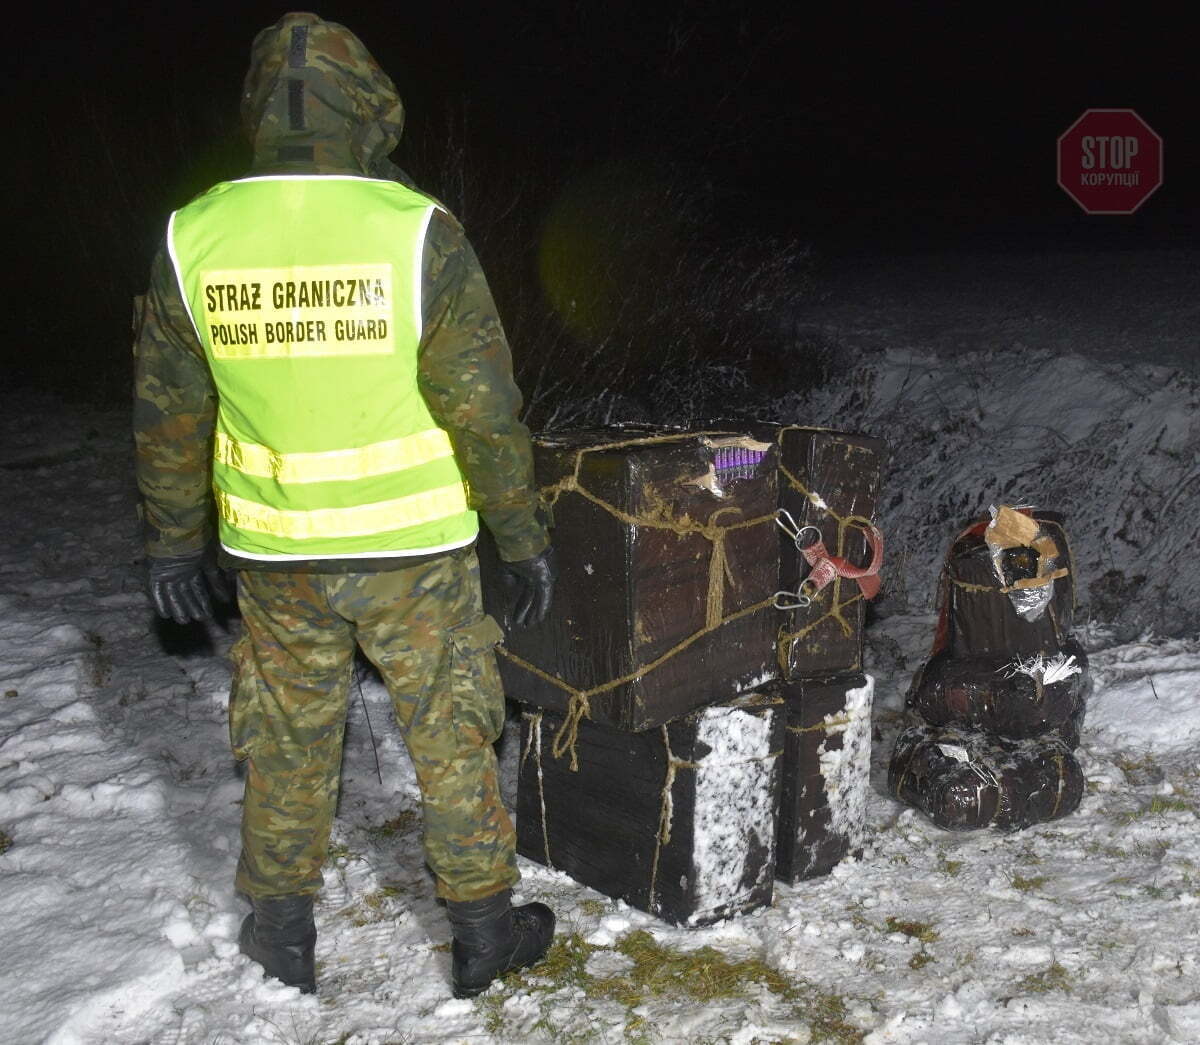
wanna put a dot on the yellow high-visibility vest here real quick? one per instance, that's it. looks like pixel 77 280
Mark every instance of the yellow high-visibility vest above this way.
pixel 305 292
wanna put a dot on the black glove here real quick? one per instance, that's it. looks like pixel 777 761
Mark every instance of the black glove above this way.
pixel 534 580
pixel 182 587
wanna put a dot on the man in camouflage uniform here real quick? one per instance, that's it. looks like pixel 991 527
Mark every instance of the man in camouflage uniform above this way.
pixel 316 104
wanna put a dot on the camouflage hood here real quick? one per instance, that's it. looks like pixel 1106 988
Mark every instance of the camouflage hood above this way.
pixel 315 100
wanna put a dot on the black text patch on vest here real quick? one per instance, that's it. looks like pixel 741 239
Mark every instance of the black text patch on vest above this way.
pixel 303 310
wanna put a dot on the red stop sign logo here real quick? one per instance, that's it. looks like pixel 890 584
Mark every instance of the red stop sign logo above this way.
pixel 1110 161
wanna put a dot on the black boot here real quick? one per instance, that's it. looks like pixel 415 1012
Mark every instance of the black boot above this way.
pixel 491 938
pixel 280 935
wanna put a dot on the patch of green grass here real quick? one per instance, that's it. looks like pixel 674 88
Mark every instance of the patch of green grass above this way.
pixel 372 907
pixel 1159 804
pixel 595 908
pixel 1052 978
pixel 565 964
pixel 1132 765
pixel 491 1005
pixel 1113 852
pixel 923 931
pixel 950 867
pixel 404 822
pixel 1028 885
pixel 704 974
pixel 1022 932
pixel 339 853
pixel 858 919
pixel 6 842
pixel 657 970
pixel 920 959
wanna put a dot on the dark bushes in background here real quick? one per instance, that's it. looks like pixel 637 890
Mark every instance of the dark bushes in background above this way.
pixel 630 287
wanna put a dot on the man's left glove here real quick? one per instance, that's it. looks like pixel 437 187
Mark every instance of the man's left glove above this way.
pixel 534 580
pixel 183 587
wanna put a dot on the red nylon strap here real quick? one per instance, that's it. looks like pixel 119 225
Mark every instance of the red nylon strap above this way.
pixel 825 566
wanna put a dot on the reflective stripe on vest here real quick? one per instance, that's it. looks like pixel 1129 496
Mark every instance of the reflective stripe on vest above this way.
pixel 305 292
pixel 359 521
pixel 330 465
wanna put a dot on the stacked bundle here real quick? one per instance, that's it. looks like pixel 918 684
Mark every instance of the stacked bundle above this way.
pixel 829 485
pixel 651 762
pixel 1000 702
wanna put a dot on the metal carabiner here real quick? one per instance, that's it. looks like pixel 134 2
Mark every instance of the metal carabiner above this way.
pixel 785 521
pixel 791 600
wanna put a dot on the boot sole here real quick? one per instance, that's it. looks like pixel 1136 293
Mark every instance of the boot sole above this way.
pixel 463 993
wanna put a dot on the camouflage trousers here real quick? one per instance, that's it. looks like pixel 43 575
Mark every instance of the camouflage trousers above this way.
pixel 424 628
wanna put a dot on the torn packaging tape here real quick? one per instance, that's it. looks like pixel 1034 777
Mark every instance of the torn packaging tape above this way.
pixel 1010 528
pixel 979 618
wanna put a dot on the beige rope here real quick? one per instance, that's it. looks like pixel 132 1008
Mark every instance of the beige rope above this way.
pixel 1058 761
pixel 837 604
pixel 578 707
pixel 823 726
pixel 666 808
pixel 537 724
pixel 666 801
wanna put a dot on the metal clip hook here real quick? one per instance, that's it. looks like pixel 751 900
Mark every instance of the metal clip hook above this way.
pixel 796 600
pixel 791 600
pixel 785 521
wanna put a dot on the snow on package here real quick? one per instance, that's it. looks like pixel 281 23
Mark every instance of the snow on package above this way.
pixel 678 821
pixel 1002 697
pixel 664 601
pixel 1008 695
pixel 826 773
pixel 828 491
pixel 1003 657
pixel 964 780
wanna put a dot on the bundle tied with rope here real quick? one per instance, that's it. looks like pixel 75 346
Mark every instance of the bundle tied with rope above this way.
pixel 831 551
pixel 1008 586
pixel 666 599
pixel 1004 660
pixel 965 780
pixel 827 768
pixel 678 821
pixel 997 708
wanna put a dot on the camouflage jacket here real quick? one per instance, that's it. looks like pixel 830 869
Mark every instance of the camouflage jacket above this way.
pixel 345 117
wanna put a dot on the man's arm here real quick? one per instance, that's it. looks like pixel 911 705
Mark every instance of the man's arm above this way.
pixel 174 413
pixel 466 379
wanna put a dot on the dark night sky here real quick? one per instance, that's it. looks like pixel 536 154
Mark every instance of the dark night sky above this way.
pixel 897 124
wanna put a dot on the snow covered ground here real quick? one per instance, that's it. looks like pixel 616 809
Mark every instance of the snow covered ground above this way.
pixel 119 807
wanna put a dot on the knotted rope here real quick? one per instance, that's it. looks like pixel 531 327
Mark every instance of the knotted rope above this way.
pixel 579 707
pixel 837 605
